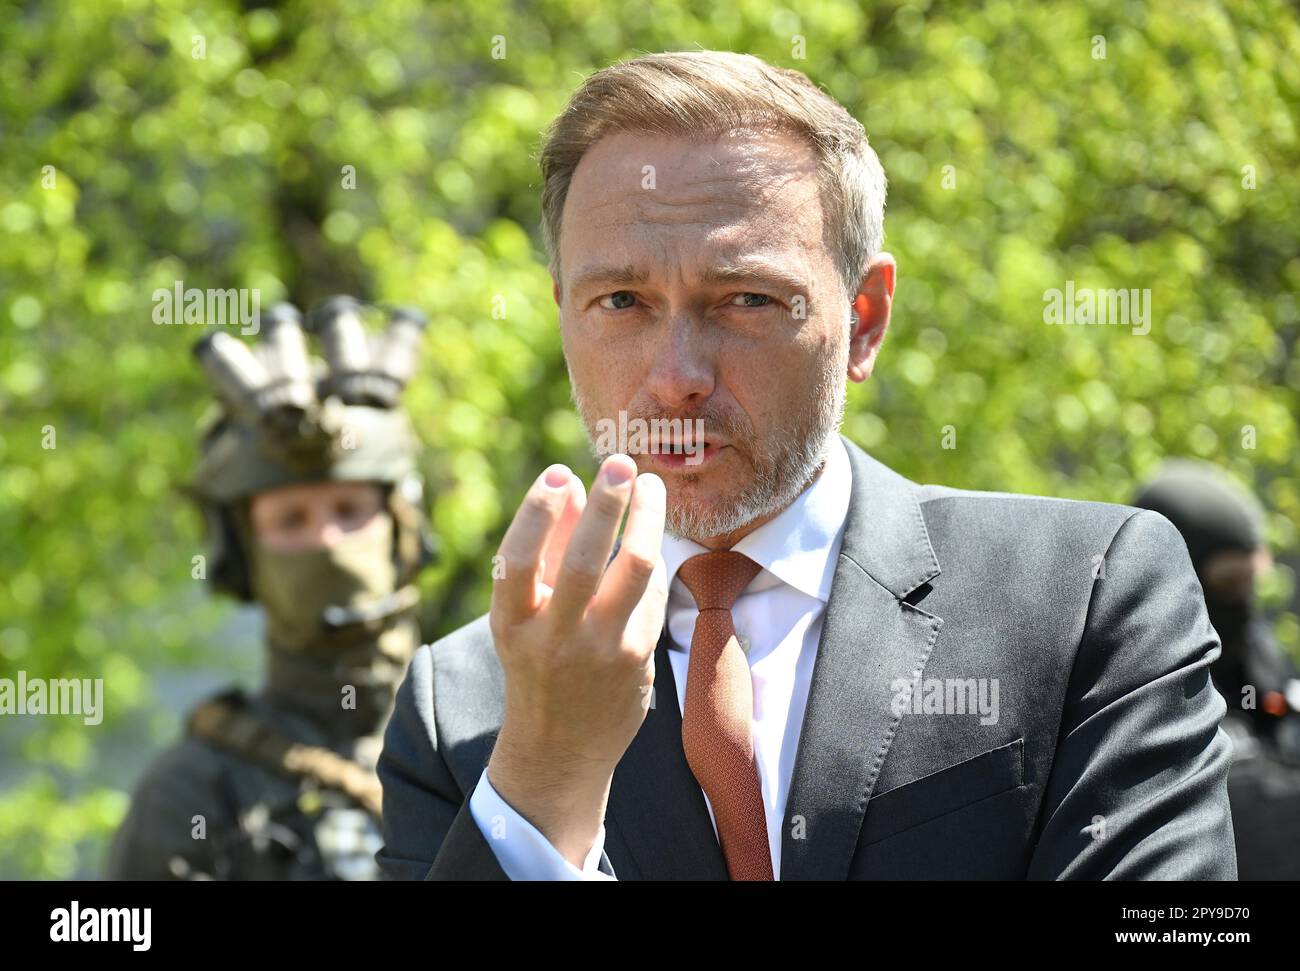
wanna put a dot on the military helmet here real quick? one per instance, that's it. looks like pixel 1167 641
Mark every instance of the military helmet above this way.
pixel 1211 510
pixel 286 417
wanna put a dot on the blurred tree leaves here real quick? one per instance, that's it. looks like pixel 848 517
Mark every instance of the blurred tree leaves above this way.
pixel 129 163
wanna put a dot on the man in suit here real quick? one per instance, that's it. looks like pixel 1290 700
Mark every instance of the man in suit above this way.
pixel 796 664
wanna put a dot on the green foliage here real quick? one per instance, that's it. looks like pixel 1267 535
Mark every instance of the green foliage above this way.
pixel 228 170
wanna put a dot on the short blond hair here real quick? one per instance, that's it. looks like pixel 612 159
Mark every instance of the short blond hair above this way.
pixel 709 93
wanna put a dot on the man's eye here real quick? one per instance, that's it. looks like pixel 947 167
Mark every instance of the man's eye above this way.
pixel 292 521
pixel 620 299
pixel 347 511
pixel 752 300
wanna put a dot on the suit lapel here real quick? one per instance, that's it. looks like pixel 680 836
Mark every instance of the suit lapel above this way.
pixel 655 803
pixel 870 640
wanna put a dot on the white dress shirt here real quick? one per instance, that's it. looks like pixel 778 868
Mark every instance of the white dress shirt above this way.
pixel 778 620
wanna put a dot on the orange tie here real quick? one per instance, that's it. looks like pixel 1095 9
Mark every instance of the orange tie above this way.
pixel 719 711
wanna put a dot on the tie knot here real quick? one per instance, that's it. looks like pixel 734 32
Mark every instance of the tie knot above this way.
pixel 716 579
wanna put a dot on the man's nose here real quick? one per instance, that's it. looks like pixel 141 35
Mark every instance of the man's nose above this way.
pixel 328 532
pixel 682 370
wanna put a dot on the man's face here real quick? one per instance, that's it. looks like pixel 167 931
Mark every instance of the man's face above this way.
pixel 710 293
pixel 315 515
pixel 1229 575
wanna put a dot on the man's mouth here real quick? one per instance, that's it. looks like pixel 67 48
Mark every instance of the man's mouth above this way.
pixel 685 455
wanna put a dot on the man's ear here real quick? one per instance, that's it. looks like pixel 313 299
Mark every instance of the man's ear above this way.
pixel 555 290
pixel 871 305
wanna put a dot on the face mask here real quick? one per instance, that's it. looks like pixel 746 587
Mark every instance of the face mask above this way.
pixel 1230 622
pixel 300 590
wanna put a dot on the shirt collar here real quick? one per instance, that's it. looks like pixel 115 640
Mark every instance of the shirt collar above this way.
pixel 798 547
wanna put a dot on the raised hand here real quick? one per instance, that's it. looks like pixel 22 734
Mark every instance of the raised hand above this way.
pixel 576 639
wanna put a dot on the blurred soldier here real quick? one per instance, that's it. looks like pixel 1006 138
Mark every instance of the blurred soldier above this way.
pixel 1222 525
pixel 313 506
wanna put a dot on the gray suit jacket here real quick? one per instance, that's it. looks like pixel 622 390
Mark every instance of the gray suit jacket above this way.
pixel 1106 759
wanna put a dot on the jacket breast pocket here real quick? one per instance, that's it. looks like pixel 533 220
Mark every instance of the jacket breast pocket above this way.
pixel 945 791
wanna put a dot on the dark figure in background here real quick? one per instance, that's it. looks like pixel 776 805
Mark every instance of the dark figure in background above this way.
pixel 313 504
pixel 1223 527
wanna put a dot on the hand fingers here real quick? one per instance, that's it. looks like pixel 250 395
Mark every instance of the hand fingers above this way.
pixel 593 537
pixel 628 576
pixel 559 540
pixel 514 592
pixel 647 618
